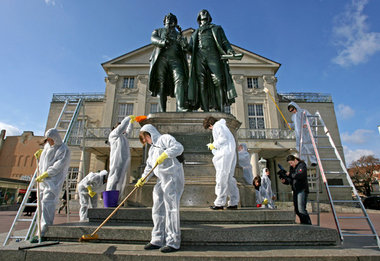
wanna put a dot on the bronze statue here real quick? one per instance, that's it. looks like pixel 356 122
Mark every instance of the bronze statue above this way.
pixel 168 74
pixel 210 83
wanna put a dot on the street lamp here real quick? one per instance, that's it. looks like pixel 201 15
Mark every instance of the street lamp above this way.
pixel 262 164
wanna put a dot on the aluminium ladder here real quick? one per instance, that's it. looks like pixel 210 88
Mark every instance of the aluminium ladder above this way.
pixel 64 125
pixel 316 122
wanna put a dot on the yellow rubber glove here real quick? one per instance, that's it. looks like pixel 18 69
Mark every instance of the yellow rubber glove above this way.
pixel 140 183
pixel 37 154
pixel 161 158
pixel 41 177
pixel 265 201
pixel 133 118
pixel 90 192
pixel 211 146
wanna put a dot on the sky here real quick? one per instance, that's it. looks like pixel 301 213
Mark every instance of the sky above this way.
pixel 324 46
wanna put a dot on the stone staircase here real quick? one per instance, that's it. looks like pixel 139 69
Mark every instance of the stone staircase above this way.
pixel 201 227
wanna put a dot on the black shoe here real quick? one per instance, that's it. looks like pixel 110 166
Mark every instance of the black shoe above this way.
pixel 217 207
pixel 150 246
pixel 168 249
pixel 232 207
pixel 313 164
pixel 34 240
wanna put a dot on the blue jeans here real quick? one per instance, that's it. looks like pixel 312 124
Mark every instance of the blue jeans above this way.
pixel 300 200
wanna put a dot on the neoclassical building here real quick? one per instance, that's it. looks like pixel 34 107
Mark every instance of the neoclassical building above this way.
pixel 126 92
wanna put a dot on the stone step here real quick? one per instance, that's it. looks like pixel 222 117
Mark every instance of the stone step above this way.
pixel 203 234
pixel 198 216
pixel 134 252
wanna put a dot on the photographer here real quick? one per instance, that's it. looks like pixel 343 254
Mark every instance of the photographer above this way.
pixel 297 178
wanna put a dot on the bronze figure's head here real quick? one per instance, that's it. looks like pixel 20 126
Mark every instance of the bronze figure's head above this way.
pixel 204 15
pixel 170 20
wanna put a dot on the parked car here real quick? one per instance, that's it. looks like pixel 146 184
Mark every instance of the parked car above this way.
pixel 372 202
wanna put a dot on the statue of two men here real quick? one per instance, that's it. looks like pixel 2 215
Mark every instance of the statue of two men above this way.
pixel 168 74
pixel 210 85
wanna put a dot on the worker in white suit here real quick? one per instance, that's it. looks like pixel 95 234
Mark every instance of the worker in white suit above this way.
pixel 306 151
pixel 224 150
pixel 266 185
pixel 120 156
pixel 245 163
pixel 164 150
pixel 54 161
pixel 88 188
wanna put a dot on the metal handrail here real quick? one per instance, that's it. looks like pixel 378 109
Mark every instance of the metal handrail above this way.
pixel 61 97
pixel 304 97
pixel 268 134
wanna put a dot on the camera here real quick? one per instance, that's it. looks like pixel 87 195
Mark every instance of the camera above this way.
pixel 282 172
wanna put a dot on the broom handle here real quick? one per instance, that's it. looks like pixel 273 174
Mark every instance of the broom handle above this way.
pixel 279 110
pixel 116 209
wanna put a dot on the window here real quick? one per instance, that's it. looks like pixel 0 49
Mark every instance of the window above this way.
pixel 125 109
pixel 129 82
pixel 77 133
pixel 256 121
pixel 72 178
pixel 153 107
pixel 252 83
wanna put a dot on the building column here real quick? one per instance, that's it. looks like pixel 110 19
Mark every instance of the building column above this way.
pixel 110 93
pixel 272 116
pixel 254 162
pixel 142 82
pixel 83 164
pixel 239 100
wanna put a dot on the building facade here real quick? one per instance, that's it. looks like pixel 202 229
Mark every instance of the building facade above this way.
pixel 17 164
pixel 126 93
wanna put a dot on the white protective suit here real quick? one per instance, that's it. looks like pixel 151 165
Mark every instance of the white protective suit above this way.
pixel 261 194
pixel 245 163
pixel 224 161
pixel 120 157
pixel 55 160
pixel 97 182
pixel 307 150
pixel 266 186
pixel 168 190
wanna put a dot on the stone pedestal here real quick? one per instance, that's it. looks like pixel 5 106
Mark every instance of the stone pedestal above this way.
pixel 188 129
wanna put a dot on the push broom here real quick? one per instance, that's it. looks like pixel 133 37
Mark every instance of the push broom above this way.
pixel 268 92
pixel 95 236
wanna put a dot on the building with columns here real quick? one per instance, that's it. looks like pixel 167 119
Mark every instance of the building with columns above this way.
pixel 126 92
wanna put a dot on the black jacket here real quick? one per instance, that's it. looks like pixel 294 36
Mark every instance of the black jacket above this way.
pixel 298 178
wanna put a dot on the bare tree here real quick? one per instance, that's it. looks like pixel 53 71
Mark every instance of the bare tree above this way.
pixel 362 173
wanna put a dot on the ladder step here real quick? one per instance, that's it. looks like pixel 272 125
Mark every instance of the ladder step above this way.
pixel 25 219
pixel 67 112
pixel 317 125
pixel 340 186
pixel 320 136
pixel 325 147
pixel 359 235
pixel 17 237
pixel 62 130
pixel 65 121
pixel 330 159
pixel 335 172
pixel 31 204
pixel 346 201
pixel 312 116
pixel 363 217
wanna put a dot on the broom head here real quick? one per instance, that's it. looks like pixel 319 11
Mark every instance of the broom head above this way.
pixel 88 237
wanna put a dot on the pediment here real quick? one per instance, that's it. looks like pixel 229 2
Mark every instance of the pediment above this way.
pixel 252 58
pixel 142 55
